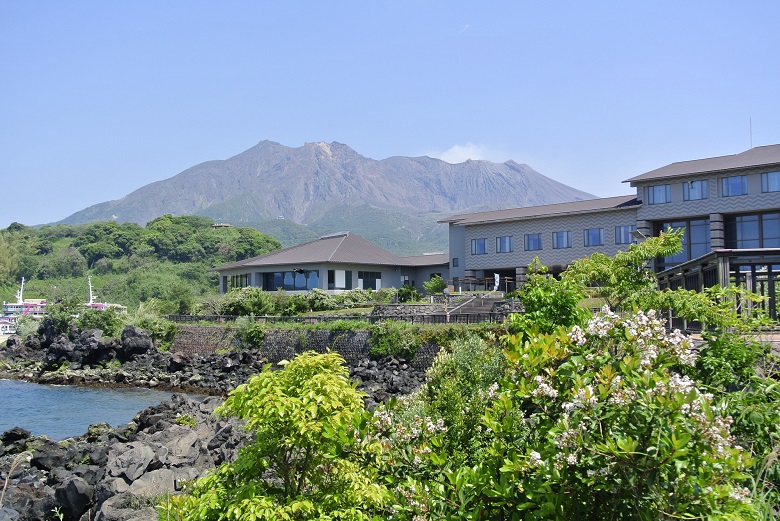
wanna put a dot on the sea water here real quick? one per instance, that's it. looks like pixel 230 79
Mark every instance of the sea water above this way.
pixel 62 411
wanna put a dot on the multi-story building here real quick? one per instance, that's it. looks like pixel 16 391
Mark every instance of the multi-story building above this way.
pixel 729 207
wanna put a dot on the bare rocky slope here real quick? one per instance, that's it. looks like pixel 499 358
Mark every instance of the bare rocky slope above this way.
pixel 330 187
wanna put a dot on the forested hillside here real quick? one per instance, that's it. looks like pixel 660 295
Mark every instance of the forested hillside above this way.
pixel 167 260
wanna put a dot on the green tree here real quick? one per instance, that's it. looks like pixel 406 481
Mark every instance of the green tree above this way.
pixel 548 303
pixel 300 464
pixel 435 285
pixel 625 280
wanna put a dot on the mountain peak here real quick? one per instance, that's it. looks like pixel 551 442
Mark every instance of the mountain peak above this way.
pixel 319 184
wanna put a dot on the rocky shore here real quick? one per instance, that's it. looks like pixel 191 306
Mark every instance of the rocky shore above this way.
pixel 120 473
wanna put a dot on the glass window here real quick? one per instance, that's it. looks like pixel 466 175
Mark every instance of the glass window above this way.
pixel 695 190
pixel 753 231
pixel 594 237
pixel 369 280
pixel 770 230
pixel 533 241
pixel 659 194
pixel 504 244
pixel 454 262
pixel 743 231
pixel 478 246
pixel 623 234
pixel 770 182
pixel 734 185
pixel 561 240
pixel 695 243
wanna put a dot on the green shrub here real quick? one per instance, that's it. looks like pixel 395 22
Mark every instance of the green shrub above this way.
pixel 389 337
pixel 548 303
pixel 246 301
pixel 408 293
pixel 435 285
pixel 587 424
pixel 320 300
pixel 305 461
pixel 385 294
pixel 108 321
pixel 355 297
pixel 249 331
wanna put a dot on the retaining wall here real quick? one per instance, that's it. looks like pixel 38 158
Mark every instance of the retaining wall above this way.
pixel 284 344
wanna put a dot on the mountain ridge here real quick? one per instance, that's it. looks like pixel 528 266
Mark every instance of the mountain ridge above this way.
pixel 305 184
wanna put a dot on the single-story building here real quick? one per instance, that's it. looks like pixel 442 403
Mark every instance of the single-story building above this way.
pixel 335 263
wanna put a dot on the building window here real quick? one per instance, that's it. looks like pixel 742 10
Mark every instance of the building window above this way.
pixel 623 234
pixel 369 280
pixel 405 281
pixel 695 243
pixel 454 262
pixel 753 231
pixel 478 246
pixel 734 185
pixel 561 240
pixel 295 280
pixel 533 241
pixel 594 237
pixel 504 244
pixel 659 194
pixel 695 190
pixel 239 281
pixel 770 182
pixel 339 279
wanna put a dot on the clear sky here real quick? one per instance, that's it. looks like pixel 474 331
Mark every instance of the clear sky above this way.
pixel 100 98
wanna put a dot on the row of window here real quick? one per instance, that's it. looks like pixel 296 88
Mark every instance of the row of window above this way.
pixel 562 239
pixel 729 187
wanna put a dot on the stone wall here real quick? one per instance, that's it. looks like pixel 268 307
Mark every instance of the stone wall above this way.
pixel 284 344
pixel 406 310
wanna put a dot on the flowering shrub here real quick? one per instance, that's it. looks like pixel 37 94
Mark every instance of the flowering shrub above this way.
pixel 596 423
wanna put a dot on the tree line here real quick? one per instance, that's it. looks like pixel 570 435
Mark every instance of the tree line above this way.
pixel 168 259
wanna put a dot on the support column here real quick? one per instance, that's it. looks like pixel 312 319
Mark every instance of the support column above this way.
pixel 717 232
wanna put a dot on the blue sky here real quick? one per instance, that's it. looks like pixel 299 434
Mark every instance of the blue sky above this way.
pixel 100 98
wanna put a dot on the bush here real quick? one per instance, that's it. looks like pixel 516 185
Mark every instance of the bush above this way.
pixel 320 300
pixel 389 337
pixel 355 297
pixel 587 424
pixel 435 285
pixel 385 294
pixel 301 464
pixel 408 293
pixel 246 301
pixel 109 321
pixel 249 331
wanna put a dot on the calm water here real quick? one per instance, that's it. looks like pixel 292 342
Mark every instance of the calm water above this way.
pixel 62 411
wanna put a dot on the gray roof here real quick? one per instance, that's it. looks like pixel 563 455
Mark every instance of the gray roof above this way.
pixel 758 156
pixel 531 212
pixel 344 248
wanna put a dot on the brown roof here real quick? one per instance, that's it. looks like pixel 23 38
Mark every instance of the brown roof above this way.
pixel 758 156
pixel 344 247
pixel 530 212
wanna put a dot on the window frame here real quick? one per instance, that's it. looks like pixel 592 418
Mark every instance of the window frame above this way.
pixel 654 190
pixel 504 244
pixel 587 236
pixel 726 186
pixel 568 241
pixel 475 250
pixel 765 184
pixel 619 233
pixel 526 241
pixel 703 191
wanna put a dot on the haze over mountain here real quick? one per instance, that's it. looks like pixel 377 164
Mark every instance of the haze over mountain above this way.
pixel 297 194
